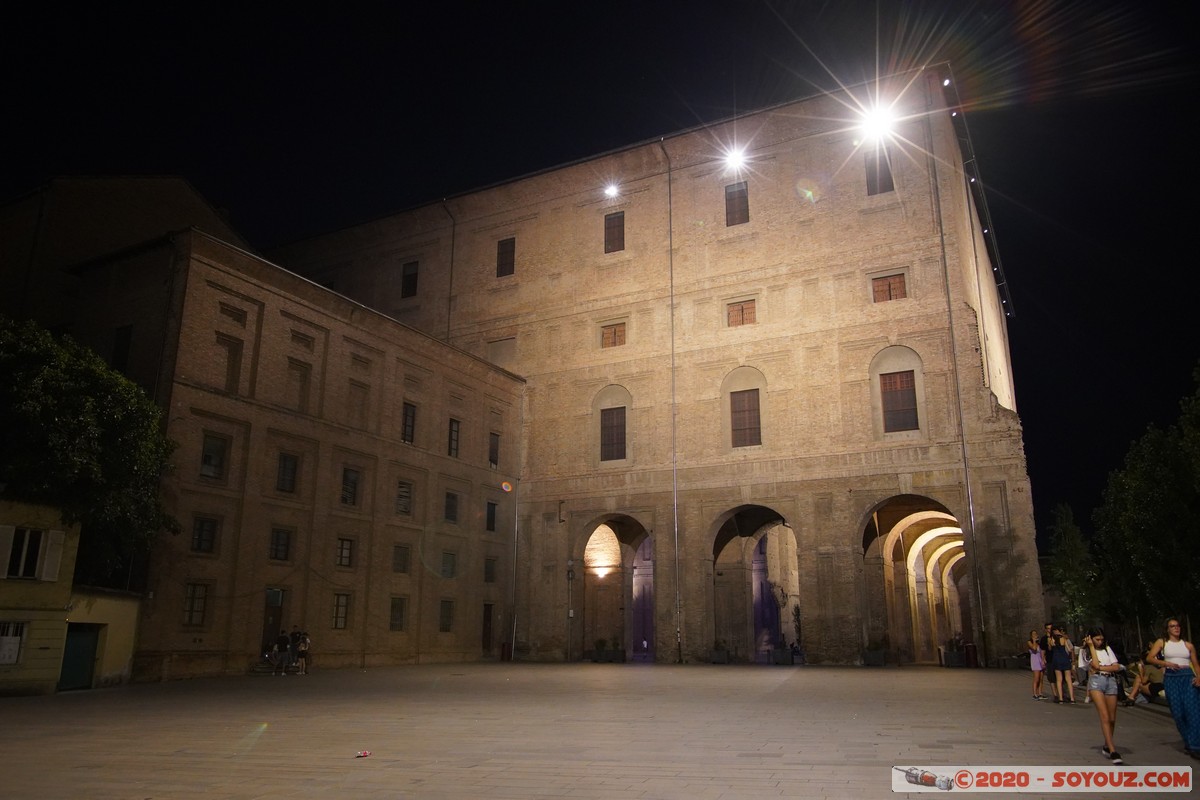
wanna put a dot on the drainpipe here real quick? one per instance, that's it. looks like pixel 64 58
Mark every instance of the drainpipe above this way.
pixel 674 408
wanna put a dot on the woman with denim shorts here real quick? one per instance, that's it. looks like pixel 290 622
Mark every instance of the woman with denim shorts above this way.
pixel 1181 674
pixel 1104 685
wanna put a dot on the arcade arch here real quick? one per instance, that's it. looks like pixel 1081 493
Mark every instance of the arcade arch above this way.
pixel 616 589
pixel 915 564
pixel 756 583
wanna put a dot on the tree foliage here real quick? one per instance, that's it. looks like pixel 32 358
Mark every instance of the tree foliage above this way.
pixel 82 438
pixel 1147 524
pixel 1071 567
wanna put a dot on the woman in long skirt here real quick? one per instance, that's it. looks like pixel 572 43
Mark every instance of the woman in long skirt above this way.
pixel 1181 675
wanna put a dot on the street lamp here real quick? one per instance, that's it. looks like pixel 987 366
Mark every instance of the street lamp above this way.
pixel 877 123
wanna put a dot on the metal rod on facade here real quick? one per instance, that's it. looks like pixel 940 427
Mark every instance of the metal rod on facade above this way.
pixel 962 428
pixel 674 407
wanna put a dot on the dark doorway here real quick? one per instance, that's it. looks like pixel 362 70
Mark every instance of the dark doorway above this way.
pixel 272 618
pixel 642 614
pixel 79 656
pixel 487 628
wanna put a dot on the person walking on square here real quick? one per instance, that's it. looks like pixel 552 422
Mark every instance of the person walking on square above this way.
pixel 1036 663
pixel 280 653
pixel 294 646
pixel 1181 676
pixel 1103 686
pixel 302 652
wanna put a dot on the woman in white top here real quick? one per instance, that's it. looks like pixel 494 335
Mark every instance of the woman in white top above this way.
pixel 1181 675
pixel 1104 673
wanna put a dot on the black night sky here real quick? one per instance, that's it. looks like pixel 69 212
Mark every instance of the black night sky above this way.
pixel 297 122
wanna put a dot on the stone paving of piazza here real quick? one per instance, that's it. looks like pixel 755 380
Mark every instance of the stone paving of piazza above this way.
pixel 595 731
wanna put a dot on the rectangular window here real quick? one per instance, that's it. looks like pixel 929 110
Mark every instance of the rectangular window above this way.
pixel 889 287
pixel 737 204
pixel 408 424
pixel 341 611
pixel 401 558
pixel 281 544
pixel 12 636
pixel 204 534
pixel 345 552
pixel 350 478
pixel 233 361
pixel 25 552
pixel 213 453
pixel 298 375
pixel 358 400
pixel 451 508
pixel 446 616
pixel 449 565
pixel 286 470
pixel 506 257
pixel 493 450
pixel 195 603
pixel 612 335
pixel 452 438
pixel 612 433
pixel 898 391
pixel 404 493
pixel 489 570
pixel 398 618
pixel 492 508
pixel 740 313
pixel 744 418
pixel 408 280
pixel 614 232
pixel 879 171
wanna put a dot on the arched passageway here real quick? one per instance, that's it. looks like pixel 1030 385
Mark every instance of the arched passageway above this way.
pixel 916 568
pixel 616 603
pixel 756 584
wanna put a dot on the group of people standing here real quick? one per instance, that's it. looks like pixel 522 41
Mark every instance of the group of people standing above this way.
pixel 1052 656
pixel 291 650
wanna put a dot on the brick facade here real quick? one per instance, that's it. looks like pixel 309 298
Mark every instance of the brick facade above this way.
pixel 810 354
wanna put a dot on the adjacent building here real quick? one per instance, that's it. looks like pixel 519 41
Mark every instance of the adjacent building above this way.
pixel 336 471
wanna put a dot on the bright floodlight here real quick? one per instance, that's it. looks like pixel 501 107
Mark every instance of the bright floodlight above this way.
pixel 735 158
pixel 610 190
pixel 877 123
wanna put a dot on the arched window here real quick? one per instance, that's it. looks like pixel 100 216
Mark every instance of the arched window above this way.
pixel 898 393
pixel 610 410
pixel 743 397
